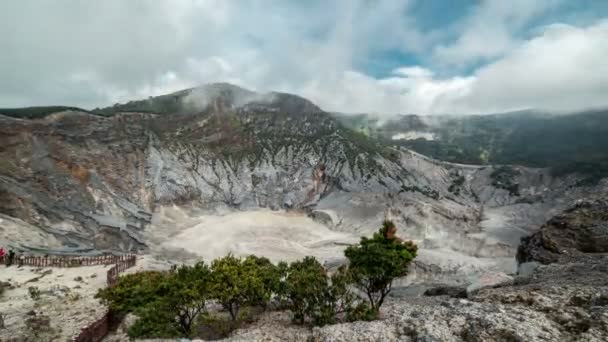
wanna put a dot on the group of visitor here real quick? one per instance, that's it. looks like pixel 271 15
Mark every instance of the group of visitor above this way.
pixel 7 259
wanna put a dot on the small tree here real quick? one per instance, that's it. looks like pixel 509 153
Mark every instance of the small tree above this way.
pixel 165 301
pixel 133 291
pixel 155 321
pixel 186 294
pixel 375 262
pixel 235 283
pixel 304 286
pixel 270 276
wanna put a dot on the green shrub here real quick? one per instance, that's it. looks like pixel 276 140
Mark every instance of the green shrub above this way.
pixel 305 283
pixel 311 295
pixel 176 298
pixel 270 276
pixel 155 321
pixel 133 291
pixel 376 262
pixel 236 282
pixel 186 294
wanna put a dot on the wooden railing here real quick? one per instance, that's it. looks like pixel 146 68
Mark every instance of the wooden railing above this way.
pixel 97 330
pixel 120 267
pixel 59 261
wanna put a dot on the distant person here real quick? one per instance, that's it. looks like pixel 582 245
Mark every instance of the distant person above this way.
pixel 2 254
pixel 11 257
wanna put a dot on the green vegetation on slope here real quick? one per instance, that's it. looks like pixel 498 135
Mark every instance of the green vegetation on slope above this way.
pixel 37 112
pixel 566 143
pixel 165 104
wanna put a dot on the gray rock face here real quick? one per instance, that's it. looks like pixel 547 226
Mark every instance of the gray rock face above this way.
pixel 581 229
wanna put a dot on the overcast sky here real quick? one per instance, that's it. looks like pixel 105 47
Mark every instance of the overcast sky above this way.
pixel 393 56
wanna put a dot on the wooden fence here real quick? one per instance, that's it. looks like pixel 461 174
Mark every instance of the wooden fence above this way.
pixel 120 267
pixel 58 261
pixel 97 330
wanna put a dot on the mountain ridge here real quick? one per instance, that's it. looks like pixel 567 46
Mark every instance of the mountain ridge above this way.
pixel 83 182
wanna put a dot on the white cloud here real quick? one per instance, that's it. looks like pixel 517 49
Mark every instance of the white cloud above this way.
pixel 489 31
pixel 413 71
pixel 562 69
pixel 98 53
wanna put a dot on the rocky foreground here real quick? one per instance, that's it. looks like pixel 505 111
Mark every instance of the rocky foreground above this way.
pixel 562 302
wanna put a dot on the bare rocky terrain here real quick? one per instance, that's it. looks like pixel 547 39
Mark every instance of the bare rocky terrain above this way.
pixel 218 169
pixel 65 306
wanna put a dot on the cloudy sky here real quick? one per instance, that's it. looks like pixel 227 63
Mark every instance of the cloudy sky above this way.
pixel 381 56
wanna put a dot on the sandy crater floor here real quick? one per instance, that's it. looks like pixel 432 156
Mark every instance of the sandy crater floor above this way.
pixel 277 235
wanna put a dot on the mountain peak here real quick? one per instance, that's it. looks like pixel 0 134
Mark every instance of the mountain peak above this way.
pixel 196 99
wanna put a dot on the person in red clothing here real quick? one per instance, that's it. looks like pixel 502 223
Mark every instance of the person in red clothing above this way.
pixel 2 253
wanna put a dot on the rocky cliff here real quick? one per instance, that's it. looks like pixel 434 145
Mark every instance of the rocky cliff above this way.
pixel 580 230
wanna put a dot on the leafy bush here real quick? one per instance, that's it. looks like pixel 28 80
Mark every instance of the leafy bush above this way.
pixel 133 291
pixel 236 282
pixel 305 285
pixel 312 296
pixel 186 294
pixel 154 321
pixel 176 297
pixel 376 262
pixel 270 276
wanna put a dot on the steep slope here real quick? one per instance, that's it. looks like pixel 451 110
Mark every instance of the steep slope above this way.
pixel 96 183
